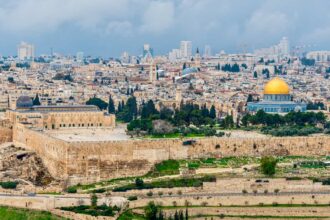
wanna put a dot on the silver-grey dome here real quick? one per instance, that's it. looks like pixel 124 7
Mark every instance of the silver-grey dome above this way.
pixel 24 102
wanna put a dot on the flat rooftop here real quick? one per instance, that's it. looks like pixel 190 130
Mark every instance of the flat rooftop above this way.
pixel 89 134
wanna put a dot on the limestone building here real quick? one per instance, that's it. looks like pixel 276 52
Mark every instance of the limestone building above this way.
pixel 277 99
pixel 58 117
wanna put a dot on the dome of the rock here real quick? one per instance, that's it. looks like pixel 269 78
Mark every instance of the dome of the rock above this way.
pixel 276 86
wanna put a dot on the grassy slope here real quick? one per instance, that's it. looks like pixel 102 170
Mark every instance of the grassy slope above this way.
pixel 8 213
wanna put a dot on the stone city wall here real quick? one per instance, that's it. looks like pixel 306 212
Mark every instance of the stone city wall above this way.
pixel 86 162
pixel 6 132
pixel 52 151
pixel 6 135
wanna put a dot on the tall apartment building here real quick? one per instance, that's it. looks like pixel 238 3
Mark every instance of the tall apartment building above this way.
pixel 186 49
pixel 284 46
pixel 319 56
pixel 25 51
pixel 275 52
pixel 174 55
pixel 207 51
pixel 147 51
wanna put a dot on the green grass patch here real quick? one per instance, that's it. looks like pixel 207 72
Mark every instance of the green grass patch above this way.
pixel 9 213
pixel 260 217
pixel 192 135
pixel 167 167
pixel 193 165
pixel 209 160
pixel 129 215
pixel 157 136
pixel 169 183
pixel 102 210
pixel 312 164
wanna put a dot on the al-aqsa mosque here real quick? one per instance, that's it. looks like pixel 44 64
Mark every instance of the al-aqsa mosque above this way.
pixel 277 99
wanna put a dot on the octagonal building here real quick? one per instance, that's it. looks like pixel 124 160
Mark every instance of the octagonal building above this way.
pixel 277 99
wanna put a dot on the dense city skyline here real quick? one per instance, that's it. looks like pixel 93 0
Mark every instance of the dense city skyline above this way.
pixel 107 28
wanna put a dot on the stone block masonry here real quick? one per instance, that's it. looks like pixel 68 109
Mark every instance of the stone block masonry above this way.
pixel 87 162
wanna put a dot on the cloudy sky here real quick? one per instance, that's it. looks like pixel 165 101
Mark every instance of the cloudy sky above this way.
pixel 108 27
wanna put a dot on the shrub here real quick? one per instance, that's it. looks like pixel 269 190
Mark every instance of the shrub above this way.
pixel 9 185
pixel 293 178
pixel 132 198
pixel 93 200
pixel 150 193
pixel 268 165
pixel 99 190
pixel 72 189
pixel 139 183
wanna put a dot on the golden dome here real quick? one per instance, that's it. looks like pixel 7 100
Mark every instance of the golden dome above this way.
pixel 276 86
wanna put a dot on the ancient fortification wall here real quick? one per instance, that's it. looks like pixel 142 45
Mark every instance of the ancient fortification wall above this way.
pixel 6 135
pixel 52 151
pixel 85 162
pixel 6 132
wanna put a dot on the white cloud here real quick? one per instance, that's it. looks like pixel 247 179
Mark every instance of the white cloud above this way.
pixel 220 23
pixel 43 15
pixel 123 28
pixel 158 17
pixel 320 34
pixel 267 23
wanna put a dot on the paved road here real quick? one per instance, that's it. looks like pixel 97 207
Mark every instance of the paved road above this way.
pixel 244 194
pixel 176 196
pixel 45 196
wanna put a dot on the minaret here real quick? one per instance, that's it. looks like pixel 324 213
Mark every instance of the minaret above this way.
pixel 197 59
pixel 178 96
pixel 152 72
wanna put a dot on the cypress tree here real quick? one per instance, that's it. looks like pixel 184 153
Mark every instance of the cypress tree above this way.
pixel 213 114
pixel 250 98
pixel 36 100
pixel 111 106
pixel 181 215
pixel 119 109
pixel 255 74
pixel 176 215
